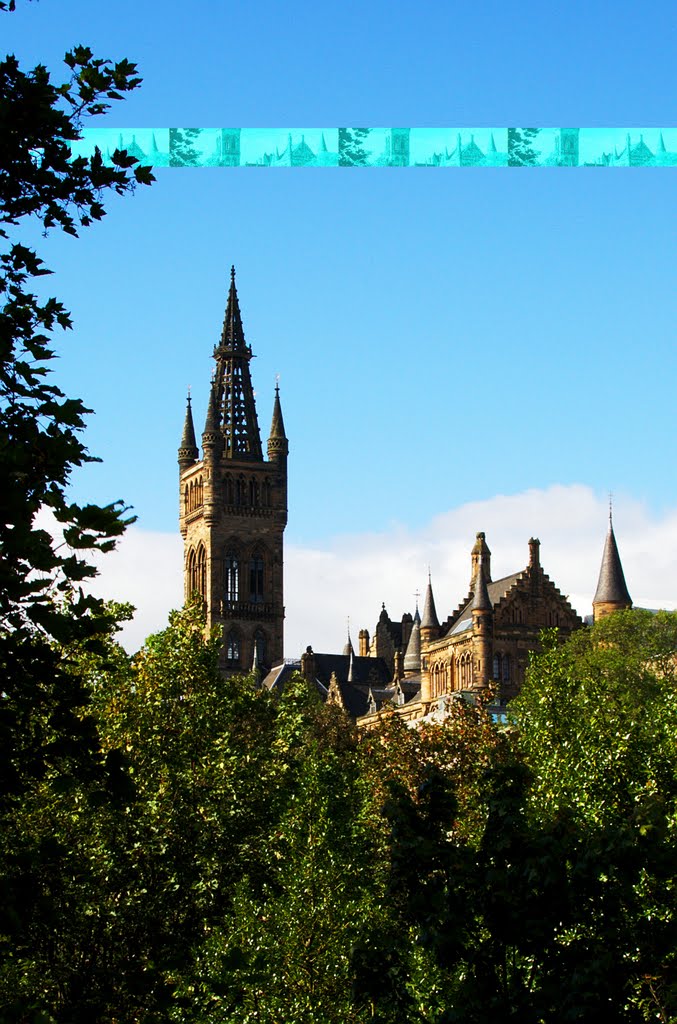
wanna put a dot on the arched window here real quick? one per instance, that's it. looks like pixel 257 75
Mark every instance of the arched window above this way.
pixel 231 572
pixel 260 646
pixel 197 572
pixel 506 668
pixel 228 490
pixel 256 578
pixel 265 494
pixel 253 493
pixel 497 666
pixel 233 649
pixel 240 491
pixel 186 507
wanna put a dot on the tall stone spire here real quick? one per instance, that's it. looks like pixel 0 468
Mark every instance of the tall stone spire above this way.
pixel 233 386
pixel 612 591
pixel 188 451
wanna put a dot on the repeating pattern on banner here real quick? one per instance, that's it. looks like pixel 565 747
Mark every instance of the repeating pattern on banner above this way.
pixel 386 147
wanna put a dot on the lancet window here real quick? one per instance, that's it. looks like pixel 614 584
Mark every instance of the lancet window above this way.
pixel 197 571
pixel 231 567
pixel 256 581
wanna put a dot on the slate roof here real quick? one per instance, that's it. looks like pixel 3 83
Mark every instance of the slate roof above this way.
pixel 412 658
pixel 368 675
pixel 496 590
pixel 429 620
pixel 611 585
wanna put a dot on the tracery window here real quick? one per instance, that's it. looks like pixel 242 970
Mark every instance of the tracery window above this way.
pixel 231 568
pixel 233 649
pixel 506 668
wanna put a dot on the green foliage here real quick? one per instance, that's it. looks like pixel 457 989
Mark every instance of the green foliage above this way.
pixel 182 149
pixel 353 151
pixel 53 773
pixel 40 599
pixel 521 152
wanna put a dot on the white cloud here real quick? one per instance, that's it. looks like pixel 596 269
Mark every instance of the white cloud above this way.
pixel 351 575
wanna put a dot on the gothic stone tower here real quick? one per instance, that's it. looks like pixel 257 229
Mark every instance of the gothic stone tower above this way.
pixel 234 508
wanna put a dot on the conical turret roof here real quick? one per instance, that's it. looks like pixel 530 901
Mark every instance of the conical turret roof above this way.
pixel 188 446
pixel 611 586
pixel 429 620
pixel 412 657
pixel 277 425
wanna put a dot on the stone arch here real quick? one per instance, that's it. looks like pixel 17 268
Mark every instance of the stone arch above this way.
pixel 197 571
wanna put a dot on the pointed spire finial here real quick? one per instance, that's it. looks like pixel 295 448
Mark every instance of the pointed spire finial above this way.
pixel 278 445
pixel 188 451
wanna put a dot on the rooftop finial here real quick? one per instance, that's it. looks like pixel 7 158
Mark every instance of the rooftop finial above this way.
pixel 232 274
pixel 611 505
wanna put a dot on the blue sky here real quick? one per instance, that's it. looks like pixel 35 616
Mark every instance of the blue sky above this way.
pixel 442 337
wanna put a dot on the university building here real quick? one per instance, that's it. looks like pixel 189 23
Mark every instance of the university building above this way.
pixel 233 511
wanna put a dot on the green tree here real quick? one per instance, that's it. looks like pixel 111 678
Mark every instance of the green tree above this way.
pixel 182 149
pixel 521 151
pixel 597 720
pixel 39 426
pixel 46 737
pixel 352 146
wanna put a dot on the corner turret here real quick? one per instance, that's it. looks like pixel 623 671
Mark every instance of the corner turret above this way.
pixel 430 626
pixel 188 451
pixel 612 592
pixel 483 627
pixel 278 445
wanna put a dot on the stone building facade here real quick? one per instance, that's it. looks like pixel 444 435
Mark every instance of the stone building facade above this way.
pixel 233 508
pixel 486 641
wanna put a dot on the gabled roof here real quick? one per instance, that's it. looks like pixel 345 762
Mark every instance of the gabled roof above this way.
pixel 495 590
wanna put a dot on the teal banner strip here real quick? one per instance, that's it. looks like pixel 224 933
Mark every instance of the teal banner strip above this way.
pixel 386 147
